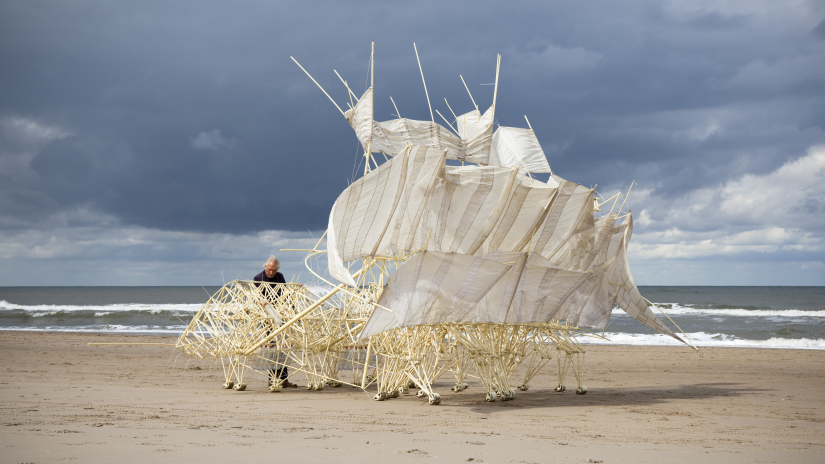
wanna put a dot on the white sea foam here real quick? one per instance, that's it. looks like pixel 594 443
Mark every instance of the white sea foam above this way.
pixel 703 339
pixel 678 310
pixel 136 329
pixel 700 339
pixel 319 290
pixel 47 313
pixel 44 310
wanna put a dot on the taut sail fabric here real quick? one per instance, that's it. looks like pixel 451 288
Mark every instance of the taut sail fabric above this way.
pixel 437 287
pixel 623 288
pixel 476 142
pixel 512 287
pixel 433 287
pixel 415 202
pixel 464 207
pixel 528 204
pixel 494 245
pixel 392 137
pixel 381 209
pixel 360 117
pixel 516 147
pixel 474 123
pixel 571 207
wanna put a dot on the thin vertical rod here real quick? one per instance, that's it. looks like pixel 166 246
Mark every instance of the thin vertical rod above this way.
pixel 615 201
pixel 531 128
pixel 316 83
pixel 368 153
pixel 448 123
pixel 366 365
pixel 625 197
pixel 425 83
pixel 495 95
pixel 468 91
pixel 347 86
pixel 495 92
pixel 451 110
pixel 397 113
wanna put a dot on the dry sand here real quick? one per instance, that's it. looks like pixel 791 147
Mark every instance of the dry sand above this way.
pixel 63 400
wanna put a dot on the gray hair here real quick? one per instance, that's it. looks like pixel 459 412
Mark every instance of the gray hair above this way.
pixel 273 259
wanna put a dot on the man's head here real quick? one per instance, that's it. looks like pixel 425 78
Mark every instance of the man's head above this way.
pixel 271 266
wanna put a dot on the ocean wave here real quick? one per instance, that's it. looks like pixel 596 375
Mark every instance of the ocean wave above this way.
pixel 48 313
pixel 700 339
pixel 124 307
pixel 703 339
pixel 113 328
pixel 675 309
pixel 319 290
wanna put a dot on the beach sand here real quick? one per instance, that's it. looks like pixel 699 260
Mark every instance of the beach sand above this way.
pixel 63 400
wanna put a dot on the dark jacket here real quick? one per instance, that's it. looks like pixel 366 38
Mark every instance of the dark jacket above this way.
pixel 278 279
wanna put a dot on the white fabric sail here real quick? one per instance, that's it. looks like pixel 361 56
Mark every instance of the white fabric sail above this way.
pixel 589 305
pixel 496 246
pixel 542 291
pixel 516 147
pixel 526 208
pixel 360 117
pixel 495 306
pixel 580 249
pixel 362 214
pixel 567 216
pixel 413 202
pixel 392 137
pixel 425 167
pixel 473 123
pixel 624 291
pixel 464 207
pixel 382 208
pixel 489 243
pixel 520 287
pixel 434 287
pixel 437 287
pixel 478 143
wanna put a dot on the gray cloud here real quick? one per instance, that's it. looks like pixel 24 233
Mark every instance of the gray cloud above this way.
pixel 714 20
pixel 212 140
pixel 190 117
pixel 819 30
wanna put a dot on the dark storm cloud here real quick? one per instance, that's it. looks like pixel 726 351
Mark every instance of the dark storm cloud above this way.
pixel 819 30
pixel 191 117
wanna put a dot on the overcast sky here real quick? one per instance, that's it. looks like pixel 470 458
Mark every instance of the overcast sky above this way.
pixel 175 143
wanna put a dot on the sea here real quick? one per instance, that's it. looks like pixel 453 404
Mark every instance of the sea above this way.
pixel 752 317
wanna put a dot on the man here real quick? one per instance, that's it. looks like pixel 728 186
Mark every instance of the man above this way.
pixel 271 275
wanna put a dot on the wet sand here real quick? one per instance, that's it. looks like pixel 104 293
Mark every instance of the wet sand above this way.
pixel 63 400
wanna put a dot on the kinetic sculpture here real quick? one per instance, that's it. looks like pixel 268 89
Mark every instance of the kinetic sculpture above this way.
pixel 474 268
